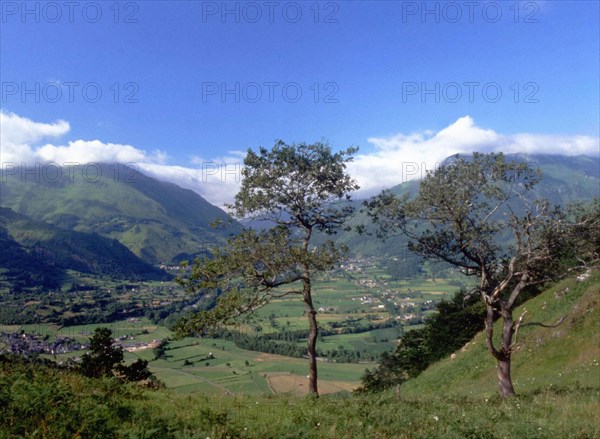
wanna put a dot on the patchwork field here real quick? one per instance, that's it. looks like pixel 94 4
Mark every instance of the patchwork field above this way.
pixel 219 366
pixel 361 312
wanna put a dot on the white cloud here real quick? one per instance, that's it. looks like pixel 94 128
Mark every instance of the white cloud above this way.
pixel 86 151
pixel 17 134
pixel 404 157
pixel 19 130
pixel 397 158
pixel 216 179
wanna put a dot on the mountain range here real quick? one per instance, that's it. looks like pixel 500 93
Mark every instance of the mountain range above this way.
pixel 106 219
pixel 111 219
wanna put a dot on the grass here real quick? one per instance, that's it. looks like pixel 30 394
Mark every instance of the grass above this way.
pixel 342 293
pixel 556 373
pixel 371 342
pixel 567 355
pixel 49 404
pixel 234 370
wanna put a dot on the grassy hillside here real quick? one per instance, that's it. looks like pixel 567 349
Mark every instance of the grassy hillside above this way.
pixel 556 372
pixel 546 358
pixel 20 268
pixel 59 250
pixel 157 221
pixel 49 404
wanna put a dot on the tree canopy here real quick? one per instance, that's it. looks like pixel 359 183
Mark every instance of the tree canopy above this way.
pixel 476 213
pixel 106 359
pixel 299 189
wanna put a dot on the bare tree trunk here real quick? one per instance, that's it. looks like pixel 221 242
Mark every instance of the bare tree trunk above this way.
pixel 503 356
pixel 312 321
pixel 312 339
pixel 504 379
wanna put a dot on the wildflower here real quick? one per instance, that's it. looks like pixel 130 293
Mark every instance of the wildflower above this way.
pixel 436 418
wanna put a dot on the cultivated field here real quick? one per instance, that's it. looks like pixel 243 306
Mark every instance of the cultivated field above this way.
pixel 361 311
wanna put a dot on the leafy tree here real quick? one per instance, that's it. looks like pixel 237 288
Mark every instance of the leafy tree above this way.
pixel 136 371
pixel 410 359
pixel 103 356
pixel 106 359
pixel 475 215
pixel 300 189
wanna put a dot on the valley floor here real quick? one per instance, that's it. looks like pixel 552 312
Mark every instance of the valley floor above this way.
pixel 221 391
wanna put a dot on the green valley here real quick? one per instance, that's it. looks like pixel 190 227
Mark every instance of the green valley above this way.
pixel 87 255
pixel 215 389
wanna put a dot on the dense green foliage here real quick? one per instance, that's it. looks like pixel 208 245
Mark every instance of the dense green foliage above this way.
pixel 38 400
pixel 103 356
pixel 106 360
pixel 454 324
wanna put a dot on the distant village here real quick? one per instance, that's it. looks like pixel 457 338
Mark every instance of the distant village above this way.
pixel 378 296
pixel 29 344
pixel 25 344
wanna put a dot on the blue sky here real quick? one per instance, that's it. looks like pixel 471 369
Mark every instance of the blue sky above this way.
pixel 363 70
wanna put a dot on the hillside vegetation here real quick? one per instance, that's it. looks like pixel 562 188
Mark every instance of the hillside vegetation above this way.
pixel 60 250
pixel 556 374
pixel 158 221
pixel 568 354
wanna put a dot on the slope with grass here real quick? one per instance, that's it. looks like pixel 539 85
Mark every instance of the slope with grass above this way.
pixel 156 220
pixel 46 403
pixel 58 250
pixel 545 358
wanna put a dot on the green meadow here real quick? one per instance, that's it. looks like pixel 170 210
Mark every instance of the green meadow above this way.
pixel 188 366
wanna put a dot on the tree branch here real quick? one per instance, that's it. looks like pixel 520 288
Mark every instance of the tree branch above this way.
pixel 516 327
pixel 543 325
